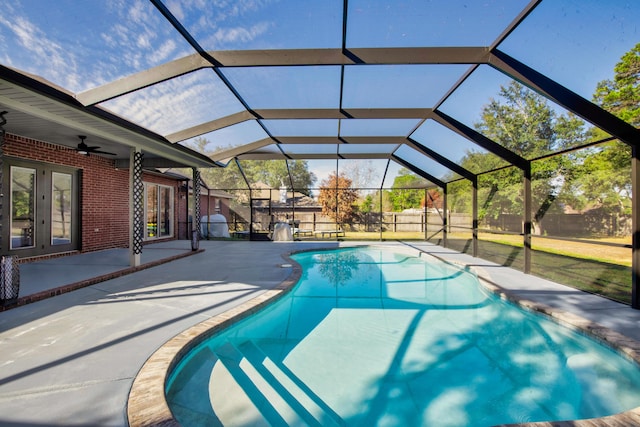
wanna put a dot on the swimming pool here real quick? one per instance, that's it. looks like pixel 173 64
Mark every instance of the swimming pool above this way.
pixel 374 337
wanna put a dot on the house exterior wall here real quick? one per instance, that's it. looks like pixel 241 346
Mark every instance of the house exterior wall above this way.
pixel 104 190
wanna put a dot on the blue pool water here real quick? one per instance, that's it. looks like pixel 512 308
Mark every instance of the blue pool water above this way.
pixel 374 337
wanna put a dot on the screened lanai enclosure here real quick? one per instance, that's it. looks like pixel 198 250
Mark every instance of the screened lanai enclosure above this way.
pixel 506 129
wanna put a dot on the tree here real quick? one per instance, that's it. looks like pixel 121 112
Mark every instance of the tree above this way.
pixel 366 204
pixel 523 122
pixel 338 268
pixel 407 190
pixel 433 199
pixel 621 96
pixel 275 173
pixel 604 174
pixel 603 178
pixel 303 178
pixel 362 173
pixel 271 172
pixel 379 202
pixel 226 178
pixel 337 197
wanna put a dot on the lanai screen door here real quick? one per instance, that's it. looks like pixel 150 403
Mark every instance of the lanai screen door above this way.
pixel 261 219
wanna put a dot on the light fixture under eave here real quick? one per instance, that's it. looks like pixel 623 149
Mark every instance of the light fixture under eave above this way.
pixel 84 149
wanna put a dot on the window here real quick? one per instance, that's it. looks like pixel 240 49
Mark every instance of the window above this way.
pixel 158 211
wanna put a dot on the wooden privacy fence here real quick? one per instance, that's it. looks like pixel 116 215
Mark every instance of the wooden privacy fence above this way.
pixel 590 224
pixel 369 222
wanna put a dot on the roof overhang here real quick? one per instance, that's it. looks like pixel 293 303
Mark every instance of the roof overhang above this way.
pixel 38 110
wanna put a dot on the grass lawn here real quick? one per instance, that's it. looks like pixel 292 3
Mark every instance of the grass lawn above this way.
pixel 603 270
pixel 587 249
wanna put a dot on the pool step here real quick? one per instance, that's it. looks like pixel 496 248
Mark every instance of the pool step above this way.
pixel 231 358
pixel 281 399
pixel 277 373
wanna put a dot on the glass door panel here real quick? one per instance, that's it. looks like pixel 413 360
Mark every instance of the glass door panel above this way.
pixel 23 207
pixel 61 208
pixel 152 211
pixel 158 211
pixel 165 212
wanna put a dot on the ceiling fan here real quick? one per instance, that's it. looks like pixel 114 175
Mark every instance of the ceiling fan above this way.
pixel 86 150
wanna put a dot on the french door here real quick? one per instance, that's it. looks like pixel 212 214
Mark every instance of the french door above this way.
pixel 41 214
pixel 158 211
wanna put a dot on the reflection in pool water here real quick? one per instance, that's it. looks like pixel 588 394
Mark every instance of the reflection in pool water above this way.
pixel 338 267
pixel 374 337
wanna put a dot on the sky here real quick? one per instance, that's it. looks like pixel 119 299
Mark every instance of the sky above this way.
pixel 82 44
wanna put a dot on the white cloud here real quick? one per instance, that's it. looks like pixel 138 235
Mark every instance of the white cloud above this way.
pixel 240 34
pixel 176 8
pixel 143 41
pixel 130 36
pixel 163 53
pixel 175 104
pixel 137 13
pixel 46 58
pixel 108 39
pixel 215 22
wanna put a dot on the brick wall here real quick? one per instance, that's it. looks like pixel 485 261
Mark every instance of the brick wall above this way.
pixel 104 199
